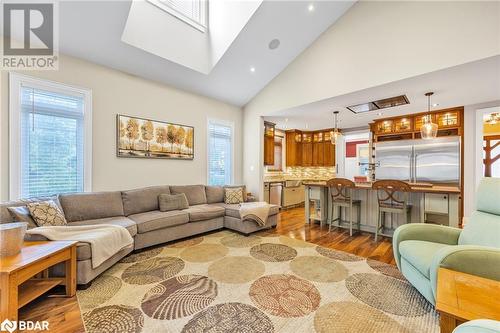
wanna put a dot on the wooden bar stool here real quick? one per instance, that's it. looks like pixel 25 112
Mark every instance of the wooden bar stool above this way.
pixel 341 194
pixel 391 201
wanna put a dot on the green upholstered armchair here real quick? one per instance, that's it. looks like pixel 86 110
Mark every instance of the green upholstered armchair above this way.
pixel 420 249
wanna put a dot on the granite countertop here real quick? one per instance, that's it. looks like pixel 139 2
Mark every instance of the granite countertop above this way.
pixel 414 187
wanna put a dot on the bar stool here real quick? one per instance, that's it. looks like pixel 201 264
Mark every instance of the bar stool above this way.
pixel 341 194
pixel 390 202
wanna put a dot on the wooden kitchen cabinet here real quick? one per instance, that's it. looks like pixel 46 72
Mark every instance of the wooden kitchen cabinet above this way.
pixel 293 148
pixel 269 129
pixel 329 150
pixel 307 149
pixel 318 149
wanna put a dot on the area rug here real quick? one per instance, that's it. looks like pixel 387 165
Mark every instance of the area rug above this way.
pixel 225 282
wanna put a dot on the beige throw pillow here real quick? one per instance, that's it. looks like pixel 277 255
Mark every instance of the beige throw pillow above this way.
pixel 46 213
pixel 233 195
pixel 169 202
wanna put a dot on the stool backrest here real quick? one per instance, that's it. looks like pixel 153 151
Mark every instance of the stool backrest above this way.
pixel 387 192
pixel 340 189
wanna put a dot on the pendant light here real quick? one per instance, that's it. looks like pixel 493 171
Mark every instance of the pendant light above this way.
pixel 335 135
pixel 429 129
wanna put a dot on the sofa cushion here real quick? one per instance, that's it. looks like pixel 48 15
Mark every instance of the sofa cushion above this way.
pixel 89 206
pixel 122 221
pixel 204 212
pixel 46 213
pixel 214 194
pixel 155 220
pixel 233 210
pixel 194 193
pixel 420 254
pixel 6 216
pixel 22 214
pixel 142 199
pixel 172 202
pixel 233 195
pixel 481 229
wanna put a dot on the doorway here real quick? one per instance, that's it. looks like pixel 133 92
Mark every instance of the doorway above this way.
pixel 491 144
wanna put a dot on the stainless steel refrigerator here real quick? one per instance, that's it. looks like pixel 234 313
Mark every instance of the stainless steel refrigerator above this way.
pixel 419 161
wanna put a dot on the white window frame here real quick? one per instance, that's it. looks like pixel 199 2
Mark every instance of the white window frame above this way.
pixel 203 27
pixel 16 81
pixel 223 123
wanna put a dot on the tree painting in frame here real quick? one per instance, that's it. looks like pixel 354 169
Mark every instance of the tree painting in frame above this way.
pixel 139 137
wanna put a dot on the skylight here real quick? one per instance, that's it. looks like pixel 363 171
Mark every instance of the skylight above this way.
pixel 192 12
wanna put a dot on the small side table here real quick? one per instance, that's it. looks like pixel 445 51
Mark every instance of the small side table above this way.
pixel 462 297
pixel 25 276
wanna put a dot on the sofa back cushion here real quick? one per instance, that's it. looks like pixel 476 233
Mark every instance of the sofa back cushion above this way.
pixel 94 205
pixel 170 202
pixel 194 193
pixel 214 194
pixel 488 193
pixel 481 229
pixel 142 200
pixel 6 216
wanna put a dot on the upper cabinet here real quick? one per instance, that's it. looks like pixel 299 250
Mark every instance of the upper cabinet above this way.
pixel 449 123
pixel 311 148
pixel 269 129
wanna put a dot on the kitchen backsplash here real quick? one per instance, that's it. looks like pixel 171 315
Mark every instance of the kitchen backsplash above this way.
pixel 303 173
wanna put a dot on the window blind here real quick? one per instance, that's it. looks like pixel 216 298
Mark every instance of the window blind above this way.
pixel 219 154
pixel 192 12
pixel 51 148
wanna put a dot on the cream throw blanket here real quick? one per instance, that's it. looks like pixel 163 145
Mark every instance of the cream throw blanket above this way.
pixel 256 211
pixel 105 239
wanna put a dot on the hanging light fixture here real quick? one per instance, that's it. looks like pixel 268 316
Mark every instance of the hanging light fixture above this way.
pixel 335 135
pixel 428 129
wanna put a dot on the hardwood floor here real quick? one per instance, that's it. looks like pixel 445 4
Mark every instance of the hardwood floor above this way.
pixel 63 314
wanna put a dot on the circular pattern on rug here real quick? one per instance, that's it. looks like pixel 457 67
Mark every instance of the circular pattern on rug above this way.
pixel 285 295
pixel 386 269
pixel 101 290
pixel 273 252
pixel 204 252
pixel 319 269
pixel 179 296
pixel 338 255
pixel 387 294
pixel 186 243
pixel 240 241
pixel 349 317
pixel 152 270
pixel 229 317
pixel 295 242
pixel 236 269
pixel 114 318
pixel 135 257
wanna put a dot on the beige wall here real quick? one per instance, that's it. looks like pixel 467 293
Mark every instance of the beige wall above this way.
pixel 374 43
pixel 116 92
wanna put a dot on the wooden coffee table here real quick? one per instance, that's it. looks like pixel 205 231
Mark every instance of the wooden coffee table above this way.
pixel 25 276
pixel 462 297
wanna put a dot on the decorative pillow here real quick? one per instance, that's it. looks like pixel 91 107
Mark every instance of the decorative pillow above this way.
pixel 233 195
pixel 22 214
pixel 239 186
pixel 46 213
pixel 169 202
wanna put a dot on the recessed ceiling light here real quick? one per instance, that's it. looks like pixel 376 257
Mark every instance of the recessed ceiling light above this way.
pixel 310 7
pixel 252 69
pixel 435 104
pixel 274 44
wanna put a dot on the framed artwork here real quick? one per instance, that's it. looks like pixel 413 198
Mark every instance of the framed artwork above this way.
pixel 146 138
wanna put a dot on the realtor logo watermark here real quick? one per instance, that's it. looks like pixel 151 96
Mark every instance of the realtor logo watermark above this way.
pixel 10 326
pixel 30 39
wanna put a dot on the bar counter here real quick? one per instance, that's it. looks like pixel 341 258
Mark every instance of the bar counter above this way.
pixel 430 203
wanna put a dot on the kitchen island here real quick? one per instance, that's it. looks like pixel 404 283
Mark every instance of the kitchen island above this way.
pixel 430 203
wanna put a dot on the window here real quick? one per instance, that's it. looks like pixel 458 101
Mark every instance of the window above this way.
pixel 220 152
pixel 193 12
pixel 50 138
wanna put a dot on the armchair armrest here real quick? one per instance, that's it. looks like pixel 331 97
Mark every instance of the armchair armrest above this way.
pixel 424 232
pixel 477 260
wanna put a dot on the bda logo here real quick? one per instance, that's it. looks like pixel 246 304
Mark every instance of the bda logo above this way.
pixel 8 326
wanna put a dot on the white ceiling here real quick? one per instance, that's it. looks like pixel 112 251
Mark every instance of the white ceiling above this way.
pixel 467 84
pixel 92 30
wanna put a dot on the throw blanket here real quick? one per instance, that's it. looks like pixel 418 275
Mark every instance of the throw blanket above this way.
pixel 105 239
pixel 257 211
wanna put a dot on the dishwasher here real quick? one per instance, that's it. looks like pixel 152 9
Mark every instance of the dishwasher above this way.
pixel 275 193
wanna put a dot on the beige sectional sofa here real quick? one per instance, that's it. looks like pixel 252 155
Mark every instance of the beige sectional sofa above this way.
pixel 138 211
